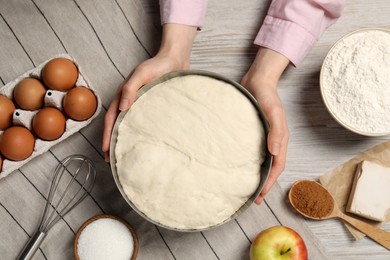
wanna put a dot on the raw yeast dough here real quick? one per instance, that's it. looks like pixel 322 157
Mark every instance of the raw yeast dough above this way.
pixel 189 152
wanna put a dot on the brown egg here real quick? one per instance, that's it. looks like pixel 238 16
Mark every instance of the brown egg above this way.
pixel 60 74
pixel 7 108
pixel 29 94
pixel 17 143
pixel 80 103
pixel 49 123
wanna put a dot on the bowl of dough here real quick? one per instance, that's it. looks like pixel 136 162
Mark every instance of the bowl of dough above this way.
pixel 354 81
pixel 191 152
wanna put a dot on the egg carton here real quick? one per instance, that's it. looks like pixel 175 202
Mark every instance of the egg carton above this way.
pixel 53 98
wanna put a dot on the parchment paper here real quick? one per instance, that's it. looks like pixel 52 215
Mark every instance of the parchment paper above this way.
pixel 339 180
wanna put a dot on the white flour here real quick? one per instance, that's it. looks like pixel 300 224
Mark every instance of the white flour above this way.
pixel 356 81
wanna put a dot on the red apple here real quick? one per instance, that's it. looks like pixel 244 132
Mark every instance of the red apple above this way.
pixel 277 243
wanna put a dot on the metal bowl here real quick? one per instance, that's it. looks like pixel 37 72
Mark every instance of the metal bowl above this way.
pixel 329 107
pixel 265 167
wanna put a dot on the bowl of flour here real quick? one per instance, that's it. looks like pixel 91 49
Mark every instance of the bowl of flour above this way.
pixel 191 152
pixel 354 81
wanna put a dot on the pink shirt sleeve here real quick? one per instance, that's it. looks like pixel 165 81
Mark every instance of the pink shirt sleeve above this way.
pixel 292 27
pixel 188 12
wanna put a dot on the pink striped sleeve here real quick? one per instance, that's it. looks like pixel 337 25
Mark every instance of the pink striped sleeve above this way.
pixel 292 27
pixel 187 12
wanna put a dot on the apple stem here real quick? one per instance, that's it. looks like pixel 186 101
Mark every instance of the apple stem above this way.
pixel 288 250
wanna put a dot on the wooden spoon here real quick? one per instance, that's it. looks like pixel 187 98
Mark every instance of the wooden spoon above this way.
pixel 380 236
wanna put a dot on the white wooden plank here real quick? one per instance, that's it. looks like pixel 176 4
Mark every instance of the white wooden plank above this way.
pixel 255 219
pixel 143 25
pixel 151 243
pixel 32 30
pixel 228 241
pixel 82 43
pixel 115 33
pixel 12 235
pixel 13 55
pixel 187 245
pixel 94 132
pixel 26 208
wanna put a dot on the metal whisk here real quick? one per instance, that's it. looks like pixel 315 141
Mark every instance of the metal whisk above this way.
pixel 73 179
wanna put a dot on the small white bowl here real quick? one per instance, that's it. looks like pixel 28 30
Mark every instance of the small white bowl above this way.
pixel 332 109
pixel 106 216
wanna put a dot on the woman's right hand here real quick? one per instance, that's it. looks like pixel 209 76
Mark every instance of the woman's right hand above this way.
pixel 261 80
pixel 174 54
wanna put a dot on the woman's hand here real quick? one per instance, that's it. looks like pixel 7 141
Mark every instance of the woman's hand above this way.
pixel 261 80
pixel 174 54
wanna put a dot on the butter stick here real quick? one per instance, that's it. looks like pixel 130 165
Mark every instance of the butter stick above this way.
pixel 370 194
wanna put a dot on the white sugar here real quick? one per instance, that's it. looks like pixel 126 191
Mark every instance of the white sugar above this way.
pixel 105 239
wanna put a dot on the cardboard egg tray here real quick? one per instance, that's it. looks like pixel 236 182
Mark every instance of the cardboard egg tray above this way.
pixel 53 98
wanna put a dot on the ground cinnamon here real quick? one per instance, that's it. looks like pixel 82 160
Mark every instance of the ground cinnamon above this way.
pixel 311 199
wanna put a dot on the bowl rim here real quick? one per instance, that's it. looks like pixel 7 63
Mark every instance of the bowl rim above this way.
pixel 264 169
pixel 328 107
pixel 106 216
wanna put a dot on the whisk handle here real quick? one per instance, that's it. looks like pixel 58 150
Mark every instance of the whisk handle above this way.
pixel 32 246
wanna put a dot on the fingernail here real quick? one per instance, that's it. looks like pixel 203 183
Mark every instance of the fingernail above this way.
pixel 259 200
pixel 275 148
pixel 123 104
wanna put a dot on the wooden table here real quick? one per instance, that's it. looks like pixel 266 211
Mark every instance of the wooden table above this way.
pixel 108 39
